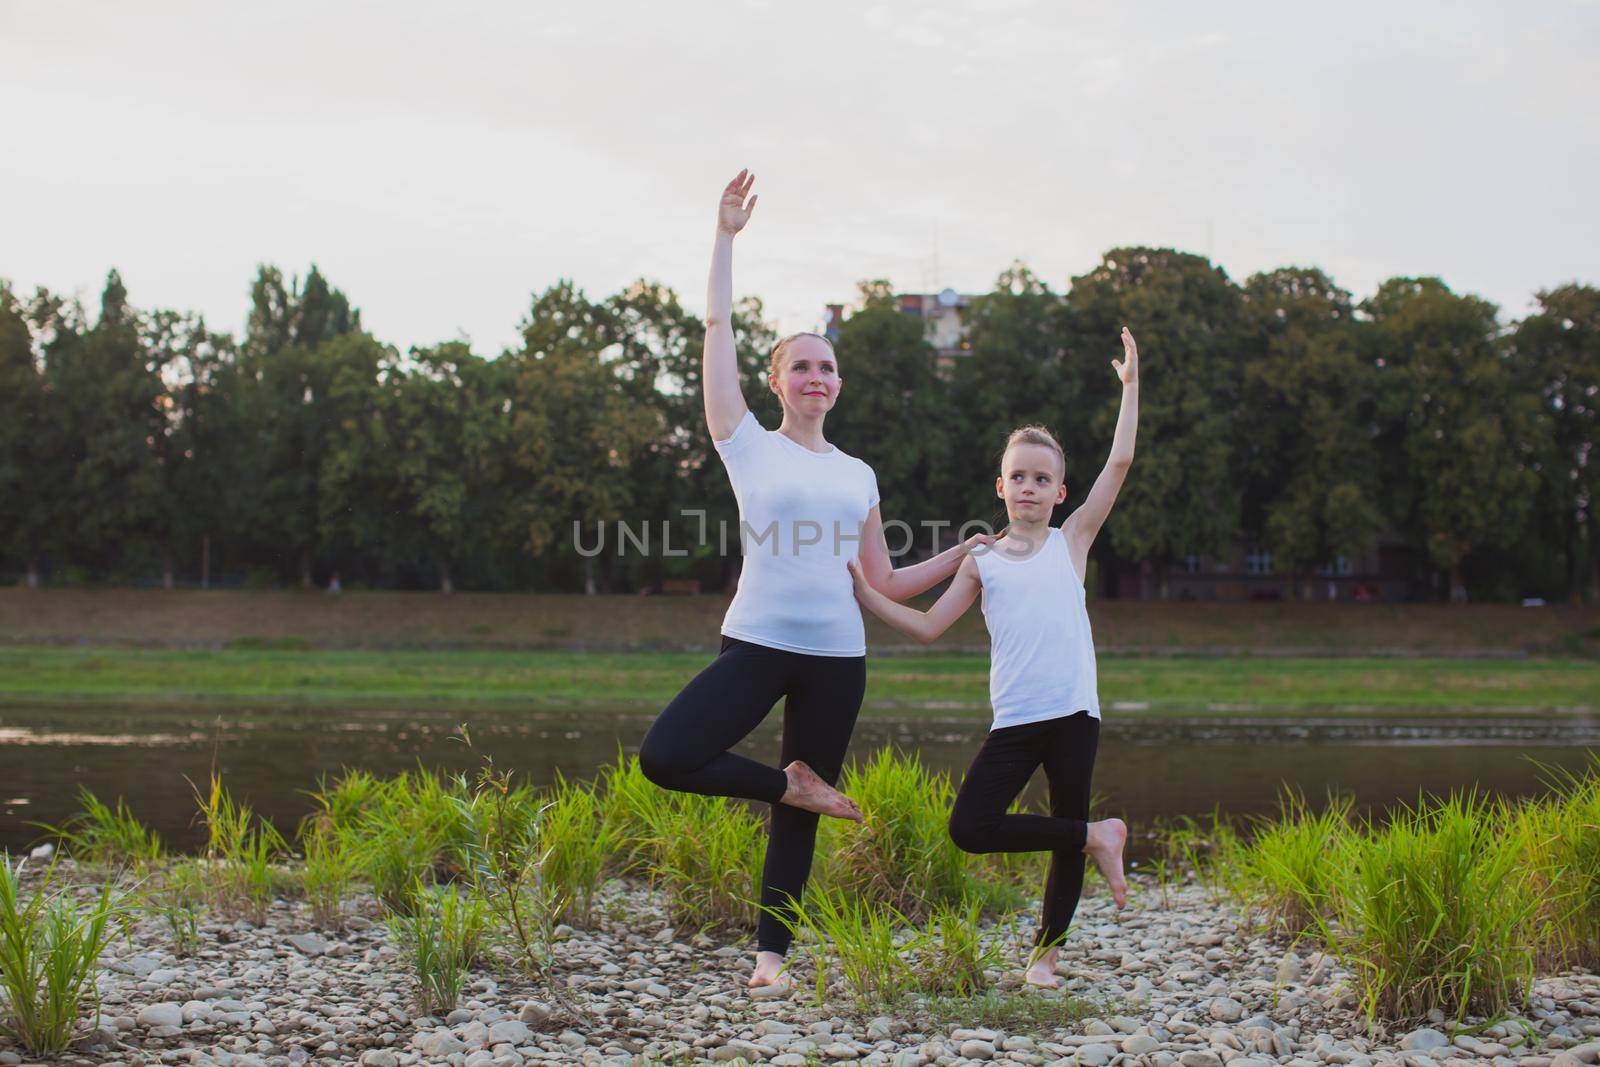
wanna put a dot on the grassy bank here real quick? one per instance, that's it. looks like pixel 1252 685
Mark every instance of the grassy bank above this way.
pixel 943 681
pixel 1455 906
pixel 532 621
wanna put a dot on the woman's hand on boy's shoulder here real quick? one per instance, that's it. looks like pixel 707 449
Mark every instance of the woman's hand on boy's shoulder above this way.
pixel 980 540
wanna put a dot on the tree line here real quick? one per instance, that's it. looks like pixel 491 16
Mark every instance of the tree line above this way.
pixel 140 446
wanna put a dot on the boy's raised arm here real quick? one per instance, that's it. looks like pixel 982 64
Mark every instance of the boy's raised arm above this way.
pixel 925 626
pixel 1084 523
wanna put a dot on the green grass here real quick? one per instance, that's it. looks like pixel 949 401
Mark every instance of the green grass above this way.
pixel 105 837
pixel 945 682
pixel 1456 904
pixel 50 945
pixel 900 855
pixel 442 936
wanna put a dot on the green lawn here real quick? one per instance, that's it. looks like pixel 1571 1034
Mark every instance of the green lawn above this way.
pixel 939 680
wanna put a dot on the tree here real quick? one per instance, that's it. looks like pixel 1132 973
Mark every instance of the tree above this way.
pixel 891 409
pixel 104 395
pixel 1457 422
pixel 1183 495
pixel 22 431
pixel 418 478
pixel 291 353
pixel 1011 376
pixel 574 432
pixel 198 448
pixel 1558 348
pixel 1305 439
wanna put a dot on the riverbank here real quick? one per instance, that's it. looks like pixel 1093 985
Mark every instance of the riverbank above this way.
pixel 391 620
pixel 1176 979
pixel 938 681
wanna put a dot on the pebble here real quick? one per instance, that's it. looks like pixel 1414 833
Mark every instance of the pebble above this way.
pixel 1423 1039
pixel 1226 1009
pixel 166 1013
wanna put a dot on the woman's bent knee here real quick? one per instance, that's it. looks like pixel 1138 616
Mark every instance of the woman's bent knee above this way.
pixel 968 833
pixel 658 765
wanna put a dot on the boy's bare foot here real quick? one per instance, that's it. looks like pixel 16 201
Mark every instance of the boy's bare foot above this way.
pixel 1104 846
pixel 808 792
pixel 1042 973
pixel 769 970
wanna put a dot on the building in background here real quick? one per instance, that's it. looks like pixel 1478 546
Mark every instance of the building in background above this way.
pixel 941 314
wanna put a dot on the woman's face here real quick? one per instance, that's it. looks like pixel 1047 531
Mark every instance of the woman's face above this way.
pixel 809 382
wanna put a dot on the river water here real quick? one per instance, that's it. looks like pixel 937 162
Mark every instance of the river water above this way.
pixel 1151 764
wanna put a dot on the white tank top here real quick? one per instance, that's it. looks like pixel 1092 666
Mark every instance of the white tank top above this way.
pixel 1041 656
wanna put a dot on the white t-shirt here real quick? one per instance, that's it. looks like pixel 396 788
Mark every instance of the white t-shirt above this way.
pixel 801 514
pixel 1041 652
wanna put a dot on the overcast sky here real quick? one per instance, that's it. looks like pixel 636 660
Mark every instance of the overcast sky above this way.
pixel 442 162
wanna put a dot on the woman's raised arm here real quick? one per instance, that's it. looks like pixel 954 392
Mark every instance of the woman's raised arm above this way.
pixel 719 373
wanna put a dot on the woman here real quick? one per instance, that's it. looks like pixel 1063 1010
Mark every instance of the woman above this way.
pixel 793 630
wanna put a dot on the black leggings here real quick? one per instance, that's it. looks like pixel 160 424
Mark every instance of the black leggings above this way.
pixel 687 749
pixel 979 823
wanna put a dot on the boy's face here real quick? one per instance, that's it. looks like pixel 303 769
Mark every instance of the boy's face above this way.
pixel 1030 483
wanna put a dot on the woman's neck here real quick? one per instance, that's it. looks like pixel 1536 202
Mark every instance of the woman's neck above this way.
pixel 807 433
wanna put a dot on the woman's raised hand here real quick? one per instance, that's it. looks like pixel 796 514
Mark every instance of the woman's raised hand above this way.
pixel 734 212
pixel 1128 367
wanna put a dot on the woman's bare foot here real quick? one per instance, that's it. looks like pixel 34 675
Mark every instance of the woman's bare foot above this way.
pixel 769 970
pixel 808 792
pixel 1042 972
pixel 1104 846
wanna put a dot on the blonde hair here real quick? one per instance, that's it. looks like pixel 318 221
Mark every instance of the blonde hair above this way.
pixel 775 367
pixel 1036 435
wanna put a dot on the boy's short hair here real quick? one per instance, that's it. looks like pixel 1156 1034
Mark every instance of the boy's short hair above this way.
pixel 1036 435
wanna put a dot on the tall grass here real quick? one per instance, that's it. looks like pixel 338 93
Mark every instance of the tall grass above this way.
pixel 632 808
pixel 1436 911
pixel 1561 840
pixel 706 855
pixel 240 852
pixel 704 852
pixel 330 871
pixel 176 895
pixel 856 942
pixel 954 958
pixel 1289 868
pixel 577 844
pixel 900 855
pixel 105 837
pixel 505 863
pixel 442 934
pixel 395 831
pixel 878 957
pixel 50 946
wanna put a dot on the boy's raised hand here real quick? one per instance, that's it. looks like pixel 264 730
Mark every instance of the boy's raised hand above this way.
pixel 864 591
pixel 1127 368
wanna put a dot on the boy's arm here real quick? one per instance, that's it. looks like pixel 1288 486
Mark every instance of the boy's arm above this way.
pixel 902 583
pixel 924 626
pixel 1084 523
